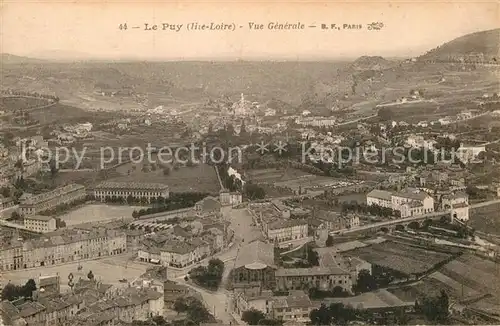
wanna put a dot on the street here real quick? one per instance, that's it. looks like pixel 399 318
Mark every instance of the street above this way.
pixel 410 219
pixel 218 303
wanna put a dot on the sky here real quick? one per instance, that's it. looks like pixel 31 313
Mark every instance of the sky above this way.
pixel 90 30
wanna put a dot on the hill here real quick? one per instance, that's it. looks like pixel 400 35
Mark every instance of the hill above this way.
pixel 370 63
pixel 484 44
pixel 6 58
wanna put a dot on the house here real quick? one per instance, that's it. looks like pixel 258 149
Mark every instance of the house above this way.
pixel 460 211
pixel 448 200
pixel 286 230
pixel 294 308
pixel 230 198
pixel 409 202
pixel 10 315
pixel 322 278
pixel 40 223
pixel 207 206
pixel 424 205
pixel 379 197
pixel 468 153
pixel 6 202
pixel 262 301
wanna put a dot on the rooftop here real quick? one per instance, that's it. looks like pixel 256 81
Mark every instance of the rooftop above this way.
pixel 312 271
pixel 131 185
pixel 294 299
pixel 379 194
pixel 255 252
pixel 30 200
pixel 38 218
pixel 282 224
pixel 412 193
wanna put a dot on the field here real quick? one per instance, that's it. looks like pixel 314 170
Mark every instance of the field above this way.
pixel 293 179
pixel 97 213
pixel 375 299
pixel 486 219
pixel 467 278
pixel 10 104
pixel 199 178
pixel 107 270
pixel 400 257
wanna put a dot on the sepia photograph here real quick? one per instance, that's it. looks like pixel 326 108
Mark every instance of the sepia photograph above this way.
pixel 215 163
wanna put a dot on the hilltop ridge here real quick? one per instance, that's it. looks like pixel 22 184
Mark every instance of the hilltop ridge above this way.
pixel 479 46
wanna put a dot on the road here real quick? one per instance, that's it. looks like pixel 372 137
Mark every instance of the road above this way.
pixel 410 219
pixel 219 302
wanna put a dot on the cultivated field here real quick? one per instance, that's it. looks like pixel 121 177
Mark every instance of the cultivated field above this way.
pixel 294 179
pixel 199 178
pixel 10 104
pixel 486 219
pixel 98 213
pixel 400 257
pixel 467 278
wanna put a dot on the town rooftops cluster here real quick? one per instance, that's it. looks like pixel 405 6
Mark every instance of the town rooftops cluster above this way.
pixel 52 194
pixel 62 237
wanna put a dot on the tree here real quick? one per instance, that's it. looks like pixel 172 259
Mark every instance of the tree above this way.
pixel 28 288
pixel 10 292
pixel 329 241
pixel 180 305
pixel 53 168
pixel 365 282
pixel 252 316
pixel 414 225
pixel 159 321
pixel 90 275
pixel 5 191
pixel 312 256
pixel 400 227
pixel 320 316
pixel 60 223
pixel 385 114
pixel 15 215
pixel 253 191
pixel 434 308
pixel 208 276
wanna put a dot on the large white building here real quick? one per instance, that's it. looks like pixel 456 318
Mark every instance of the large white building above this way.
pixel 409 202
pixel 467 154
pixel 40 223
pixel 286 230
pixel 124 190
pixel 316 121
pixel 380 198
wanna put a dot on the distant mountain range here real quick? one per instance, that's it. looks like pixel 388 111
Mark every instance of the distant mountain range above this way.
pixel 6 58
pixel 485 43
